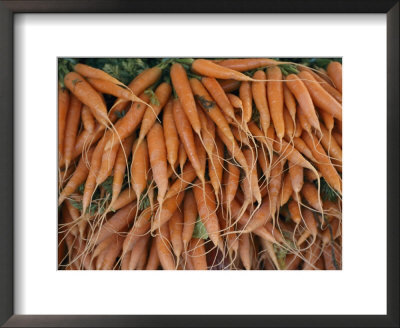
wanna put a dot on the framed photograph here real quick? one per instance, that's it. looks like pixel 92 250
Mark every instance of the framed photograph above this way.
pixel 191 165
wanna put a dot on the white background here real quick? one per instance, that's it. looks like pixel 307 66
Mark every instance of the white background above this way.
pixel 360 288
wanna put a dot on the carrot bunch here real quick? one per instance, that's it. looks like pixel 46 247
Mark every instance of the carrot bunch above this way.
pixel 201 165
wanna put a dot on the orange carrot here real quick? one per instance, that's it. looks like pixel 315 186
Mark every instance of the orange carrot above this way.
pixel 79 176
pixel 310 194
pixel 215 164
pixel 138 249
pixel 259 91
pixel 229 85
pixel 320 97
pixel 125 197
pixel 189 217
pixel 170 133
pixel 182 155
pixel 153 261
pixel 338 138
pixel 275 184
pixel 244 250
pixel 252 177
pixel 165 212
pixel 71 128
pixel 175 230
pixel 330 144
pixel 150 116
pixel 63 106
pixel 91 72
pixel 197 252
pixel 139 229
pixel 246 97
pixel 186 136
pixel 299 90
pixel 247 64
pixel 163 248
pixel 211 108
pixel 120 167
pixel 286 190
pixel 296 176
pixel 183 90
pixel 116 223
pixel 208 68
pixel 180 184
pixel 334 70
pixel 260 217
pixel 158 159
pixel 294 211
pixel 219 95
pixel 140 83
pixel 207 211
pixel 290 102
pixel 88 96
pixel 289 125
pixel 276 99
pixel 87 119
pixel 139 167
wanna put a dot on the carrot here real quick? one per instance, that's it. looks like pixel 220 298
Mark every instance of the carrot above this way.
pixel 158 159
pixel 207 211
pixel 88 96
pixel 139 167
pixel 276 99
pixel 183 90
pixel 63 106
pixel 125 197
pixel 110 88
pixel 87 119
pixel 330 144
pixel 120 167
pixel 180 184
pixel 259 91
pixel 320 97
pixel 299 90
pixel 138 249
pixel 107 163
pixel 165 212
pixel 290 102
pixel 182 155
pixel 235 101
pixel 310 194
pixel 90 184
pixel 334 70
pixel 301 146
pixel 244 250
pixel 294 210
pixel 162 93
pixel 215 165
pixel 112 253
pixel 186 136
pixel 153 261
pixel 246 96
pixel 289 125
pixel 232 182
pixel 197 252
pixel 332 257
pixel 79 176
pixel 142 261
pixel 231 238
pixel 323 163
pixel 292 262
pixel 275 184
pixel 140 83
pixel 128 124
pixel 298 128
pixel 260 217
pixel 189 217
pixel 175 230
pixel 312 256
pixel 91 72
pixel 207 103
pixel 139 229
pixel 310 225
pixel 234 150
pixel 71 128
pixel 170 133
pixel 117 222
pixel 207 131
pixel 247 64
pixel 289 152
pixel 163 248
pixel 252 177
pixel 338 138
pixel 208 68
pixel 326 85
pixel 328 120
pixel 286 190
pixel 219 95
pixel 229 85
pixel 296 176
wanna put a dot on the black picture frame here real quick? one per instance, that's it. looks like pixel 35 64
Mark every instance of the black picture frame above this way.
pixel 7 201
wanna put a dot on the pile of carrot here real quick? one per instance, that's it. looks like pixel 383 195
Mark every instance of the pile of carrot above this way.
pixel 201 164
